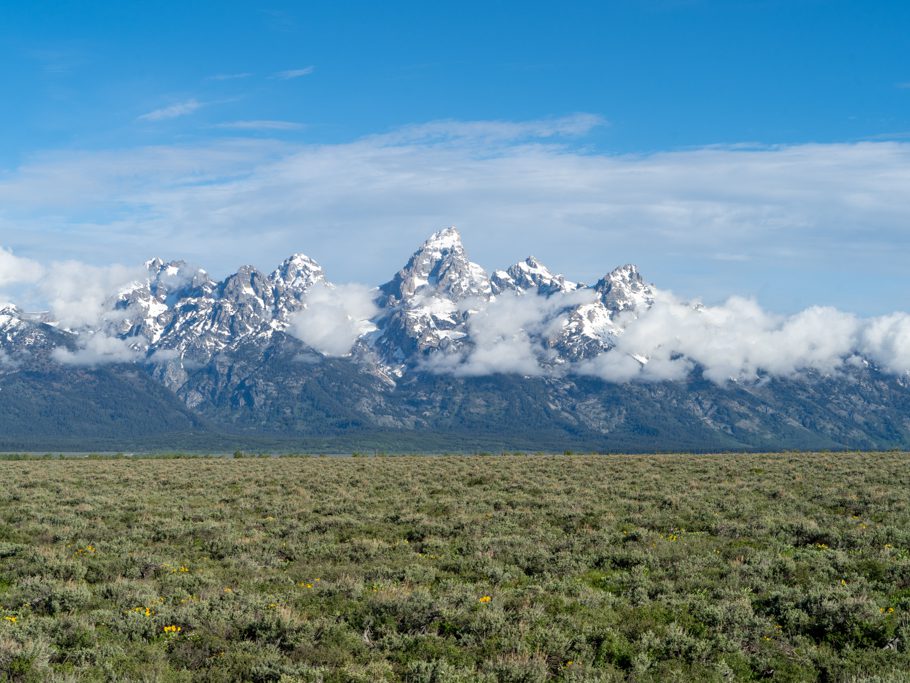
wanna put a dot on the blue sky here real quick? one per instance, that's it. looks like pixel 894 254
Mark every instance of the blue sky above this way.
pixel 764 144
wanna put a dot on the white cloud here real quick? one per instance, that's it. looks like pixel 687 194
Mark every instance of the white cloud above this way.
pixel 501 131
pixel 737 340
pixel 77 293
pixel 259 125
pixel 97 349
pixel 506 334
pixel 886 340
pixel 808 211
pixel 334 317
pixel 294 73
pixel 230 77
pixel 164 356
pixel 173 111
pixel 14 269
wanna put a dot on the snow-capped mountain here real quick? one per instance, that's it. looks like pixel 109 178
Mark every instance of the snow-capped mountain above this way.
pixel 22 334
pixel 228 357
pixel 426 304
pixel 530 275
pixel 179 312
pixel 181 309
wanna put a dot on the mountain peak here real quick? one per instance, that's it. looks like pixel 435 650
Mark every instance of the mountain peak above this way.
pixel 446 239
pixel 624 288
pixel 296 274
pixel 160 270
pixel 300 260
pixel 531 274
pixel 441 265
pixel 297 266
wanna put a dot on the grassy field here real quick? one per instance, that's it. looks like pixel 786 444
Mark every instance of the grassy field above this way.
pixel 521 568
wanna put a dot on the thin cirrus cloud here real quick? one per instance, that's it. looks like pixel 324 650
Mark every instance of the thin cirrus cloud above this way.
pixel 230 77
pixel 293 73
pixel 573 125
pixel 173 111
pixel 259 125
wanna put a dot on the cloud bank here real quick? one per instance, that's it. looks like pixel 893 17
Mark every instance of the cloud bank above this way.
pixel 95 349
pixel 78 293
pixel 735 341
pixel 16 270
pixel 716 219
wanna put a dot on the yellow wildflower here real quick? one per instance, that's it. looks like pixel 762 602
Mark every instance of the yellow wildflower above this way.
pixel 485 599
pixel 11 619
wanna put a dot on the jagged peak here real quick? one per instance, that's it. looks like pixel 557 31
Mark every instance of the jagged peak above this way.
pixel 300 260
pixel 533 267
pixel 296 275
pixel 532 274
pixel 628 274
pixel 442 245
pixel 441 264
pixel 628 271
pixel 624 287
pixel 298 266
pixel 162 268
pixel 446 239
pixel 10 315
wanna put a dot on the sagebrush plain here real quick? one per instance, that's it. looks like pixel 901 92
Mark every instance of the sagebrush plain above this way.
pixel 791 567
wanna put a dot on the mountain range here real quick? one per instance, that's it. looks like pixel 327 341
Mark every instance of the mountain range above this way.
pixel 442 357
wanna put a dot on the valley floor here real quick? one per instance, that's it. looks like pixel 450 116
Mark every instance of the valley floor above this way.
pixel 502 568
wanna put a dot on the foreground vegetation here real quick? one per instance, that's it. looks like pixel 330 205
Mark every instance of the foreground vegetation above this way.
pixel 571 568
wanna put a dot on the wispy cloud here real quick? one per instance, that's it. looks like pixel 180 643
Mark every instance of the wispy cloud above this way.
pixel 502 131
pixel 904 86
pixel 229 77
pixel 293 73
pixel 173 111
pixel 259 125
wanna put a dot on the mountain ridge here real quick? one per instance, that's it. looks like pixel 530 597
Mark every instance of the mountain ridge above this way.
pixel 451 355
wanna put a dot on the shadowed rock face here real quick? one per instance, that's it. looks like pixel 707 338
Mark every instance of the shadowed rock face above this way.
pixel 220 356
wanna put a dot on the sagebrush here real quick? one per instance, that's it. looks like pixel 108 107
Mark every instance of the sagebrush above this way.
pixel 519 568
